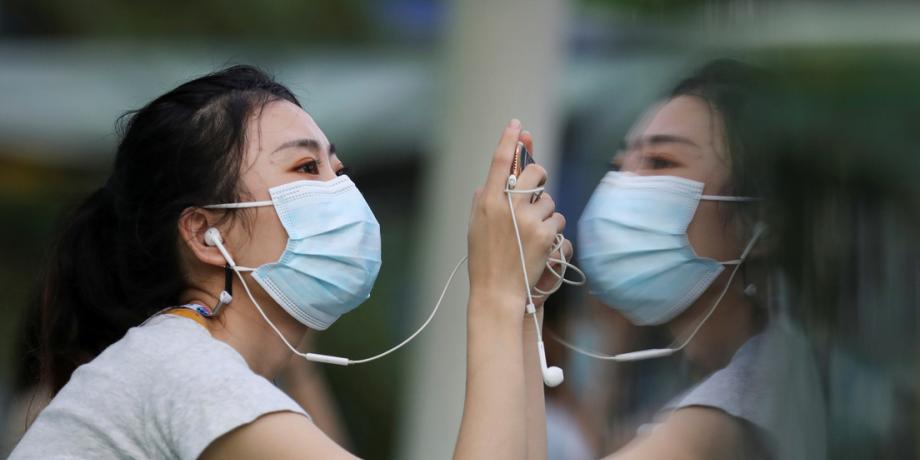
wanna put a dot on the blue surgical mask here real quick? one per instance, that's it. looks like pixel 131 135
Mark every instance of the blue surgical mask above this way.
pixel 333 253
pixel 633 246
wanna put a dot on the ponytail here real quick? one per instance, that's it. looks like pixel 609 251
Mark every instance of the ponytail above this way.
pixel 82 308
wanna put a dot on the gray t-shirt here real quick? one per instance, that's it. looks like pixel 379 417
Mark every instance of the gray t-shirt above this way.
pixel 167 389
pixel 772 383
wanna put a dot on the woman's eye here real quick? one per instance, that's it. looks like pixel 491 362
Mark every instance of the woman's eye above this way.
pixel 660 163
pixel 309 167
pixel 345 170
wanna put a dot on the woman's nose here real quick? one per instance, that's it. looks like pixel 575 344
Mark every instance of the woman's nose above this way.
pixel 326 172
pixel 631 161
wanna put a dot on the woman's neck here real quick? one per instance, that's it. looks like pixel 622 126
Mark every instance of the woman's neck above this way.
pixel 241 326
pixel 734 321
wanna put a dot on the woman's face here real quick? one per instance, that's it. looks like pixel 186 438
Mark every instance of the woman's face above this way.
pixel 684 137
pixel 284 144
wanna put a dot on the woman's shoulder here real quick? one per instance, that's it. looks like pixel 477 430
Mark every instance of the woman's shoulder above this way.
pixel 167 337
pixel 771 386
pixel 165 352
pixel 167 386
pixel 165 347
pixel 173 354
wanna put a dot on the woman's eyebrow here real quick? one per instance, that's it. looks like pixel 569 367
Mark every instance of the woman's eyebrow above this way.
pixel 310 144
pixel 666 139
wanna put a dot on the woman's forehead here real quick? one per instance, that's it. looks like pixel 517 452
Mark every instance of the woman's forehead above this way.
pixel 281 122
pixel 687 118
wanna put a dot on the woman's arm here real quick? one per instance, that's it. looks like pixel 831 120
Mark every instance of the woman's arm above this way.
pixel 493 423
pixel 533 372
pixel 536 402
pixel 692 433
pixel 495 417
pixel 276 435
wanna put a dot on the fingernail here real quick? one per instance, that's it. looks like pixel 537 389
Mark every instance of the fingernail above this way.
pixel 514 123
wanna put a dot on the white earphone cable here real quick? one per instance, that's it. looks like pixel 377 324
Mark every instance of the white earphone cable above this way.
pixel 424 325
pixel 346 361
pixel 552 376
pixel 558 247
pixel 758 230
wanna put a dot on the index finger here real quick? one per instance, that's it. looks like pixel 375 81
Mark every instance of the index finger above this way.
pixel 527 139
pixel 504 155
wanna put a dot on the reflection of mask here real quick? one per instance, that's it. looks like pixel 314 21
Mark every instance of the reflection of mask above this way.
pixel 633 245
pixel 332 256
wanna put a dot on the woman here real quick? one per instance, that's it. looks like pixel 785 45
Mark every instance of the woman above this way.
pixel 674 236
pixel 222 173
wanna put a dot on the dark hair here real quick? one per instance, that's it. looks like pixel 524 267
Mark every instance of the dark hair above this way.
pixel 738 94
pixel 117 260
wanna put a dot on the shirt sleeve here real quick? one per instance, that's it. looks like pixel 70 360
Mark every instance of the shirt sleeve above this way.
pixel 206 392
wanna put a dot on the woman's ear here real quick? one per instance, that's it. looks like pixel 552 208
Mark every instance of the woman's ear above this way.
pixel 193 223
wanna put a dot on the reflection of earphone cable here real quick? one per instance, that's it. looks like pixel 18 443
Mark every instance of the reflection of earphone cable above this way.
pixel 661 352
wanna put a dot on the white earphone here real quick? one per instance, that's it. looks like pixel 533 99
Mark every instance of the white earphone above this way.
pixel 552 375
pixel 212 238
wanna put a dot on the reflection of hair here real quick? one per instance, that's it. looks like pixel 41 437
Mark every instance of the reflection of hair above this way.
pixel 844 186
pixel 734 91
pixel 117 260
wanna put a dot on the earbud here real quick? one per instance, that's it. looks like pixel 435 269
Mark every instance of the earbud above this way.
pixel 750 290
pixel 212 238
pixel 552 376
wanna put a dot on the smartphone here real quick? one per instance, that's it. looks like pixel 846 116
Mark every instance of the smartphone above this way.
pixel 522 158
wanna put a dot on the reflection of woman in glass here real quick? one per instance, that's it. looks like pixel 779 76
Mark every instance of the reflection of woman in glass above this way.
pixel 673 236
